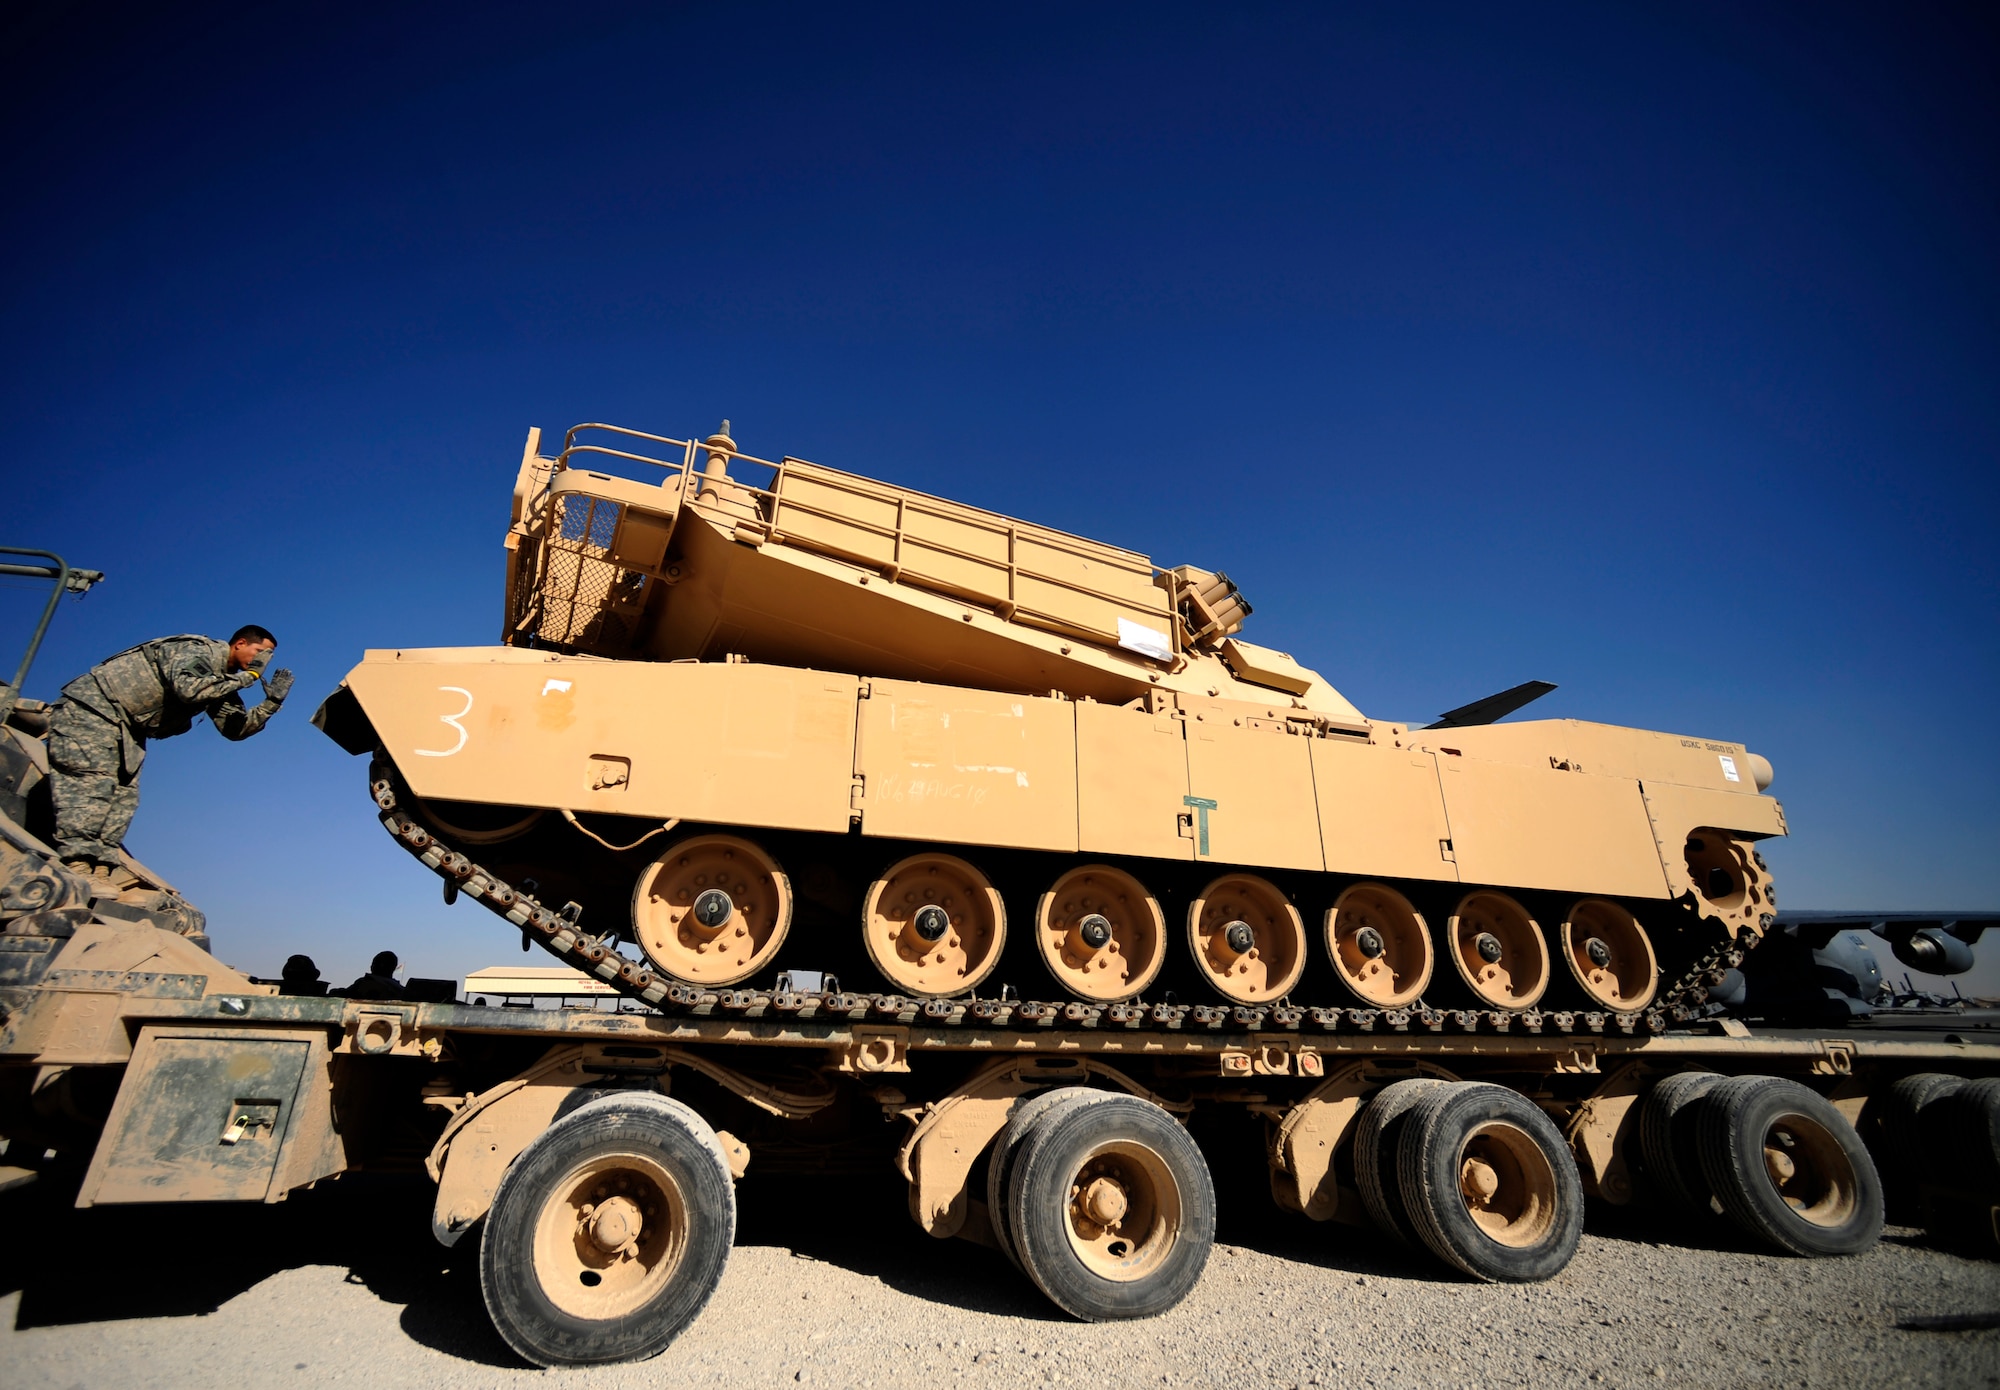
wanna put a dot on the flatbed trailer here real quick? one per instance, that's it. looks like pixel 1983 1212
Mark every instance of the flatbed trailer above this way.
pixel 179 1079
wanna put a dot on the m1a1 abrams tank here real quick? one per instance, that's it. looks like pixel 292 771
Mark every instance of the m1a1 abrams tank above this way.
pixel 760 718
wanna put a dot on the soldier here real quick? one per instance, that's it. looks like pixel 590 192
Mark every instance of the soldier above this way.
pixel 380 982
pixel 98 731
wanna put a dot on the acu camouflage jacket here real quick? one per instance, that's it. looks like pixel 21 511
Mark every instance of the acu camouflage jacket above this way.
pixel 158 688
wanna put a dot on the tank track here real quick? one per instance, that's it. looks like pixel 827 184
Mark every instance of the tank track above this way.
pixel 559 934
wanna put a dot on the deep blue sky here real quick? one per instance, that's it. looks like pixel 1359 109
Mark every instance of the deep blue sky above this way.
pixel 1652 352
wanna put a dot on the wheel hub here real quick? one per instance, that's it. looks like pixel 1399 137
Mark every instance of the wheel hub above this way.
pixel 713 907
pixel 1239 936
pixel 1599 953
pixel 931 922
pixel 1369 942
pixel 1105 1202
pixel 1095 931
pixel 614 1224
pixel 1479 1181
pixel 1488 946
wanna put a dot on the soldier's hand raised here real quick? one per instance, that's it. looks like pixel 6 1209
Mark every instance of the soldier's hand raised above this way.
pixel 277 685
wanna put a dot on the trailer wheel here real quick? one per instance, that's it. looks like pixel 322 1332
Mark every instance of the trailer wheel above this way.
pixel 1489 1184
pixel 609 1232
pixel 1112 1206
pixel 1667 1140
pixel 1375 1137
pixel 1961 1134
pixel 1788 1168
pixel 1000 1160
pixel 1890 1127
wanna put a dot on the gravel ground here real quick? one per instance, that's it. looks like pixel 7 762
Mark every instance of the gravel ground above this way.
pixel 832 1285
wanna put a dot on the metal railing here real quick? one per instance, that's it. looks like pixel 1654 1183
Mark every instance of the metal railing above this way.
pixel 898 549
pixel 67 580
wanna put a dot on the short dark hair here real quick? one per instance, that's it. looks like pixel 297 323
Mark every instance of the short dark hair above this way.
pixel 384 963
pixel 250 632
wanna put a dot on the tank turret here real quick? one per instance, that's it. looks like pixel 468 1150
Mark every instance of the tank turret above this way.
pixel 721 554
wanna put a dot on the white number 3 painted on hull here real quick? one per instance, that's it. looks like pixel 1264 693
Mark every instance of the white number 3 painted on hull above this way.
pixel 451 719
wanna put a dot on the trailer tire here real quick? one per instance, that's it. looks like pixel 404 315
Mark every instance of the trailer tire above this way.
pixel 1006 1148
pixel 1667 1140
pixel 1961 1189
pixel 1892 1127
pixel 1375 1140
pixel 1489 1184
pixel 641 1167
pixel 1788 1167
pixel 1085 1170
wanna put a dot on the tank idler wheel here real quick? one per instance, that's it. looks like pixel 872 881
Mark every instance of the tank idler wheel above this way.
pixel 712 910
pixel 609 1232
pixel 1667 1145
pixel 1248 939
pixel 1787 1167
pixel 1101 934
pixel 1006 1148
pixel 1112 1206
pixel 1730 882
pixel 1610 956
pixel 476 822
pixel 1380 946
pixel 933 925
pixel 1499 950
pixel 1376 1135
pixel 1489 1184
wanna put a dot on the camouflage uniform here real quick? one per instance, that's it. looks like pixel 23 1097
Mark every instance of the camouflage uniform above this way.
pixel 98 731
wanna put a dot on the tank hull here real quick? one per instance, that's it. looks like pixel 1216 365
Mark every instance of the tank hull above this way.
pixel 602 764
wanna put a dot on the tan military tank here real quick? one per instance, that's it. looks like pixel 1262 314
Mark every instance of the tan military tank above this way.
pixel 759 717
pixel 763 717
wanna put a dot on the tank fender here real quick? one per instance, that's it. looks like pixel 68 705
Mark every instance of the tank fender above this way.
pixel 1308 1135
pixel 950 1134
pixel 489 1130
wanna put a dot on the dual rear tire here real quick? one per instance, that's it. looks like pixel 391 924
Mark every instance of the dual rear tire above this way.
pixel 1473 1172
pixel 1773 1156
pixel 609 1232
pixel 1103 1200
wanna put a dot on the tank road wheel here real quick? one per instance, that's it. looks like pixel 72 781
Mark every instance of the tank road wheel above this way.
pixel 1731 882
pixel 933 925
pixel 1112 1206
pixel 1788 1168
pixel 1000 1159
pixel 477 823
pixel 1489 1184
pixel 608 1234
pixel 712 910
pixel 1610 956
pixel 1101 934
pixel 1380 946
pixel 1667 1140
pixel 1248 939
pixel 1499 951
pixel 1376 1135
